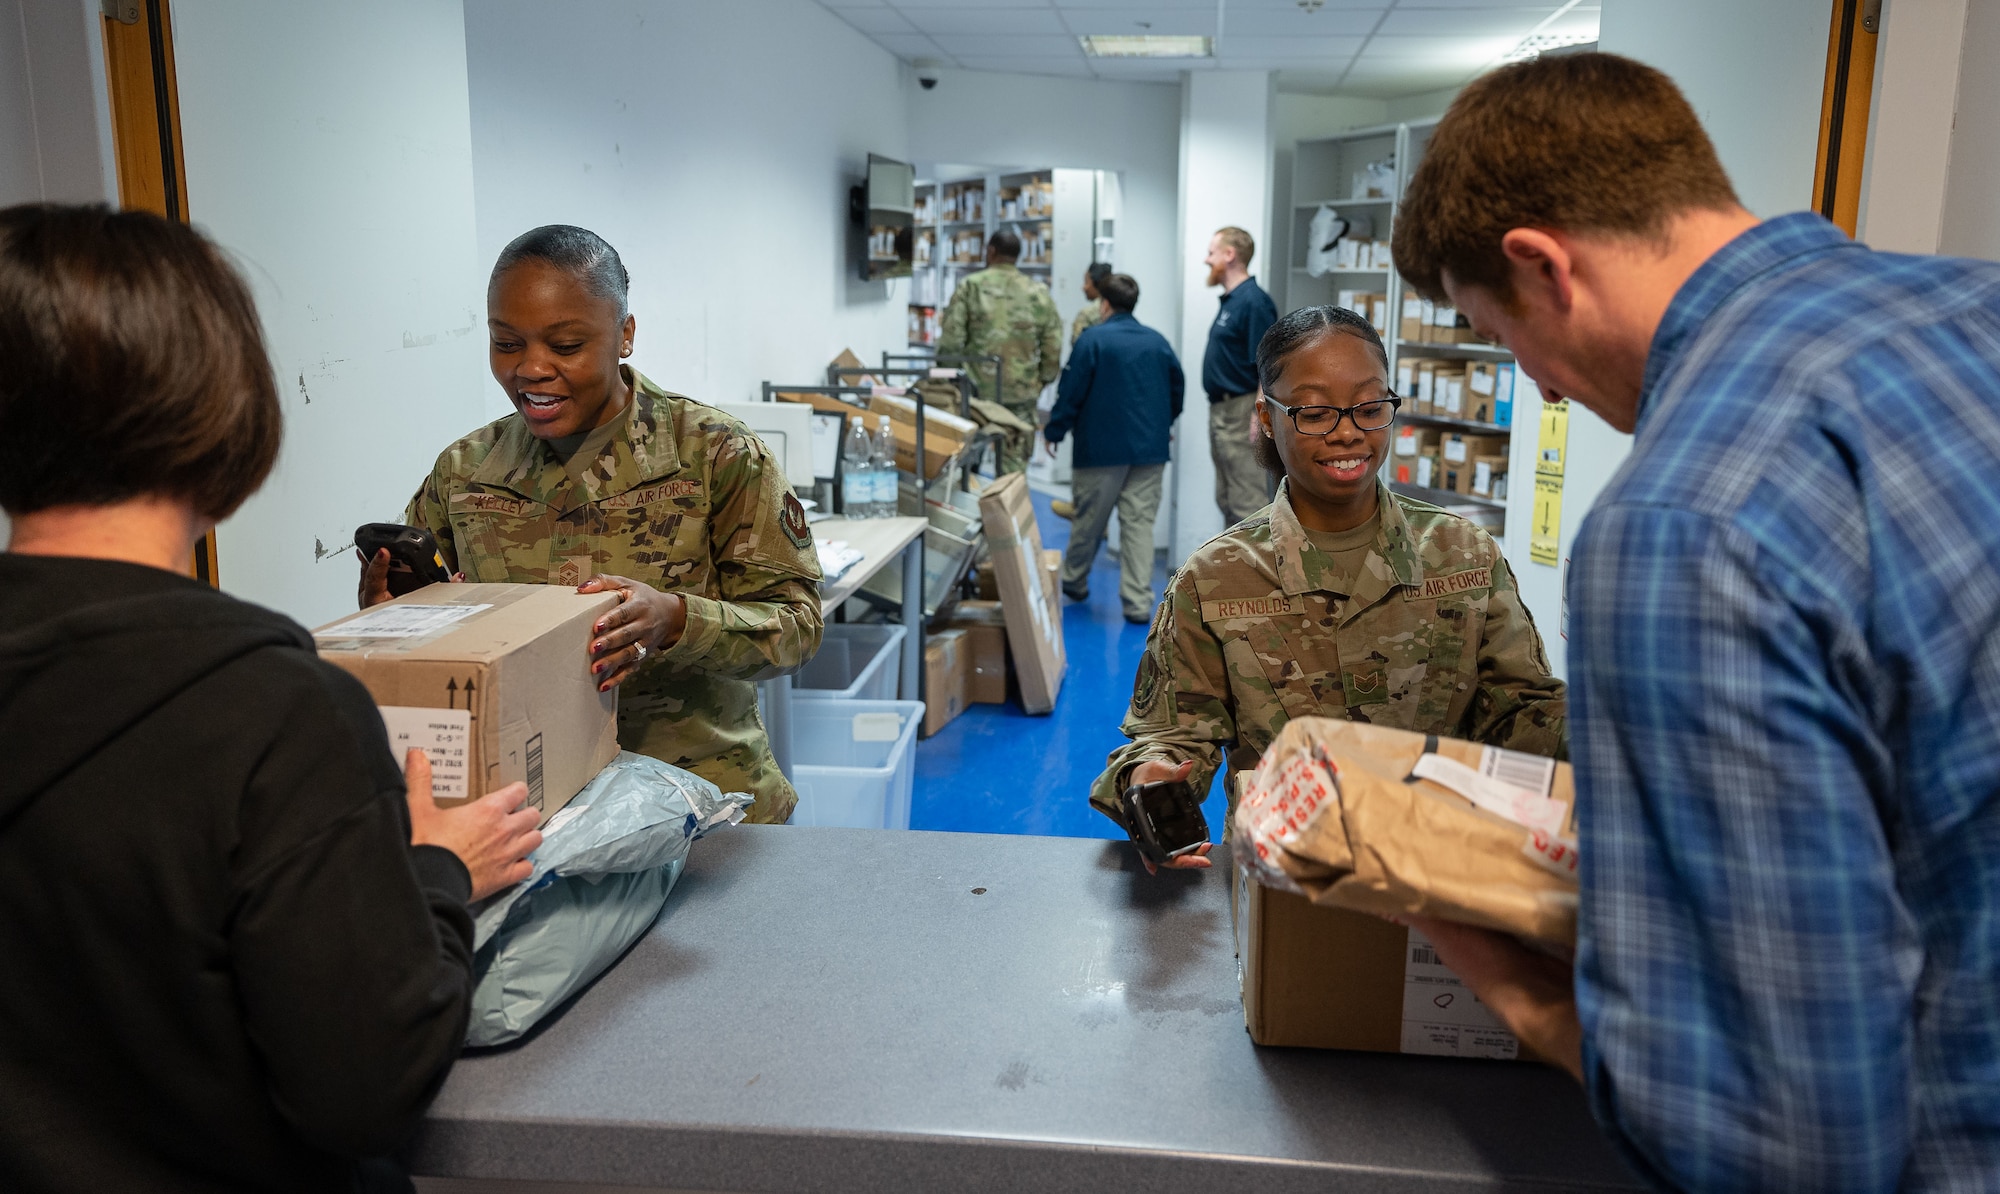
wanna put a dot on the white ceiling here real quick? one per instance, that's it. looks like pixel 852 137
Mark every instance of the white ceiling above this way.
pixel 1379 48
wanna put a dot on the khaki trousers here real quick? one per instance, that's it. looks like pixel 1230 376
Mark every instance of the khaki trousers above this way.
pixel 1134 491
pixel 1019 446
pixel 1242 487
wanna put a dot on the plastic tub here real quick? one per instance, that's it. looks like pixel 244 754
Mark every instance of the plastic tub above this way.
pixel 856 662
pixel 854 762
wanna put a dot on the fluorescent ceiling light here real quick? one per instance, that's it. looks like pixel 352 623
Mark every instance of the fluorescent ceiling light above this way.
pixel 1123 45
pixel 1541 43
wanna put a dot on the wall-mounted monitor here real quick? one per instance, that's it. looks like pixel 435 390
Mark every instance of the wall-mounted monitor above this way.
pixel 884 206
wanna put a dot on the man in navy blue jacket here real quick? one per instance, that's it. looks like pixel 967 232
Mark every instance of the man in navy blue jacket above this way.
pixel 1121 393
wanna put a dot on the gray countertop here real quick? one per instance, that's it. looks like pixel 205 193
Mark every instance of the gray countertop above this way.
pixel 846 1010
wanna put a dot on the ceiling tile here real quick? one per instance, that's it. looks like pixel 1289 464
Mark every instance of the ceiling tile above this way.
pixel 985 20
pixel 996 45
pixel 911 8
pixel 876 20
pixel 1043 65
pixel 1444 52
pixel 1192 22
pixel 1464 22
pixel 1207 6
pixel 907 45
pixel 1576 20
pixel 1406 78
pixel 1321 48
pixel 1291 22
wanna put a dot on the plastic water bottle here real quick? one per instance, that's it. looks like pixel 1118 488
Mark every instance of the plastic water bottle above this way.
pixel 857 476
pixel 886 495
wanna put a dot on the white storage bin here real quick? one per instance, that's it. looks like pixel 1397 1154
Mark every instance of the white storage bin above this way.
pixel 856 662
pixel 854 762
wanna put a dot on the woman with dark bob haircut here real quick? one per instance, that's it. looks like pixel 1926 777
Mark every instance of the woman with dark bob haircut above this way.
pixel 236 955
pixel 1340 599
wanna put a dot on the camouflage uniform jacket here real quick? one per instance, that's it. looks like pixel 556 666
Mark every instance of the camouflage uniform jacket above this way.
pixel 1088 317
pixel 683 498
pixel 1250 635
pixel 1001 310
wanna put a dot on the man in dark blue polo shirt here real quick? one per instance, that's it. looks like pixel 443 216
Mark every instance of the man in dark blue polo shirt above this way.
pixel 1121 392
pixel 1229 374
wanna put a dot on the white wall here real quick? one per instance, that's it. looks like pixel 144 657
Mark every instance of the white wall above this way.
pixel 1910 116
pixel 1033 121
pixel 55 114
pixel 1225 178
pixel 1754 73
pixel 713 144
pixel 329 148
pixel 1971 223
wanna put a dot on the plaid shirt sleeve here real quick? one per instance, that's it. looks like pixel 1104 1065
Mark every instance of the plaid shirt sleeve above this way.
pixel 1746 970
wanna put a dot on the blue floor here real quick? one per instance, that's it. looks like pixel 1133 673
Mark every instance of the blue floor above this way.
pixel 995 769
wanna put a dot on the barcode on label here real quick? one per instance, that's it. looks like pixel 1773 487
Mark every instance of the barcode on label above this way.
pixel 1531 772
pixel 535 771
pixel 1423 955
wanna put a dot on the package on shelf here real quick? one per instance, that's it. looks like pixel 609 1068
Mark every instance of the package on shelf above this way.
pixel 1412 328
pixel 942 428
pixel 1459 448
pixel 1378 314
pixel 1503 393
pixel 1426 386
pixel 1412 442
pixel 1447 326
pixel 1479 387
pixel 1406 380
pixel 1448 390
pixel 1486 470
pixel 1380 255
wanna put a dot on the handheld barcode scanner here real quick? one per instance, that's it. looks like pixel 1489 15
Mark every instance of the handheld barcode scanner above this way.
pixel 414 558
pixel 1164 819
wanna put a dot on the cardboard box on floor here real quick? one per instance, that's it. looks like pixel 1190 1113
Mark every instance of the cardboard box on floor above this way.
pixel 947 667
pixel 492 681
pixel 1028 594
pixel 985 627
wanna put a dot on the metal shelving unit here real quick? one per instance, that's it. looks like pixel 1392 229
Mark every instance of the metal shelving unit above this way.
pixel 1338 166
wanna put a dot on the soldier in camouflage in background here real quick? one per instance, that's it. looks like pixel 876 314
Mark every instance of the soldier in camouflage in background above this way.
pixel 1341 599
pixel 1002 311
pixel 1092 312
pixel 606 481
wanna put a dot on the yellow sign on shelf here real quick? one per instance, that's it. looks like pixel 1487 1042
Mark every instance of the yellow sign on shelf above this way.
pixel 1545 528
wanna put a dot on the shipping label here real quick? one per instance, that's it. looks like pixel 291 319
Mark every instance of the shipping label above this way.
pixel 1441 1015
pixel 445 737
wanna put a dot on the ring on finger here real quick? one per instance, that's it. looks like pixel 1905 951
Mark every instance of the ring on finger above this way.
pixel 642 652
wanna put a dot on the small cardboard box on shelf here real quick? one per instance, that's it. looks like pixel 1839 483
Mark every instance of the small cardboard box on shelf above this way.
pixel 1488 474
pixel 1459 448
pixel 492 681
pixel 1412 323
pixel 1426 388
pixel 1412 442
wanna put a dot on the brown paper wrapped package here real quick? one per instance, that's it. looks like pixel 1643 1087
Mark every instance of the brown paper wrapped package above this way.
pixel 1333 812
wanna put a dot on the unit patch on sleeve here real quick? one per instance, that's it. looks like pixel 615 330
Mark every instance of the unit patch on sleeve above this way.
pixel 1435 587
pixel 793 519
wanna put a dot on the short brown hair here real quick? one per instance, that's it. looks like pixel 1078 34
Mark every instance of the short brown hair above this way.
pixel 1005 244
pixel 1579 142
pixel 1120 290
pixel 134 365
pixel 1239 240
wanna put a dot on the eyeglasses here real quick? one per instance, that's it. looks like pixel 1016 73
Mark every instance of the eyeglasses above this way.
pixel 1322 420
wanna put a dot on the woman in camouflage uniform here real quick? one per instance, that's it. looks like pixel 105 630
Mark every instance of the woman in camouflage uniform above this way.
pixel 1340 599
pixel 603 480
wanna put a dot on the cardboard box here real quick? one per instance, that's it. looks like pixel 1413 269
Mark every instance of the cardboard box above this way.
pixel 1406 381
pixel 946 669
pixel 1327 978
pixel 1503 394
pixel 493 681
pixel 1486 470
pixel 1412 323
pixel 1448 397
pixel 936 455
pixel 1481 381
pixel 985 582
pixel 1459 449
pixel 1426 390
pixel 1027 588
pixel 1411 442
pixel 985 627
pixel 942 428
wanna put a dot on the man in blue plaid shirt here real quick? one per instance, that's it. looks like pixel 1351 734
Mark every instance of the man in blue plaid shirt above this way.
pixel 1784 645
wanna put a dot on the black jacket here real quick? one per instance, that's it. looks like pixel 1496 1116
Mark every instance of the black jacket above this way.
pixel 1121 391
pixel 222 966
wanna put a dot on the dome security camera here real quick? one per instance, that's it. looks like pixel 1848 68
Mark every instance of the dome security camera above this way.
pixel 927 73
pixel 927 81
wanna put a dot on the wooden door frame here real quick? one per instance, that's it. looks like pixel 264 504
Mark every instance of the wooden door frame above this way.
pixel 146 137
pixel 1844 108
